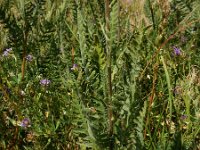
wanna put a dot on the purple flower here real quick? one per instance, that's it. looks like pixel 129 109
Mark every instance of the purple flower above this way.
pixel 183 117
pixel 177 51
pixel 45 82
pixel 25 123
pixel 29 58
pixel 9 49
pixel 74 67
pixel 6 52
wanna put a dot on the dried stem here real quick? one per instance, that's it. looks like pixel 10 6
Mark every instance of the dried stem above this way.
pixel 72 55
pixel 24 55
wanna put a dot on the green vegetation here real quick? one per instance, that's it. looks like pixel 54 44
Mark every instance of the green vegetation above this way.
pixel 112 74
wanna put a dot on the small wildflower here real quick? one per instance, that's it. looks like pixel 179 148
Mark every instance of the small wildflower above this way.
pixel 177 51
pixel 6 52
pixel 148 76
pixel 183 117
pixel 29 58
pixel 9 49
pixel 74 67
pixel 22 93
pixel 25 123
pixel 45 82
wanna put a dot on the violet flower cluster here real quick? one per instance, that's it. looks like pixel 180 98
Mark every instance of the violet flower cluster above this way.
pixel 183 117
pixel 6 52
pixel 177 51
pixel 29 58
pixel 25 123
pixel 45 82
pixel 74 67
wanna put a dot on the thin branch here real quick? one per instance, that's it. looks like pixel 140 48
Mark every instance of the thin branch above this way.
pixel 24 55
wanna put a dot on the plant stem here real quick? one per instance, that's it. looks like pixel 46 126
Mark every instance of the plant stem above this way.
pixel 109 82
pixel 72 55
pixel 24 55
pixel 152 13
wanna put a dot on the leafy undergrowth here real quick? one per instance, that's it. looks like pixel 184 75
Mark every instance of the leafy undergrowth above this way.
pixel 79 75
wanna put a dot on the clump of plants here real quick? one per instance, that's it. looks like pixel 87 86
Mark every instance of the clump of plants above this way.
pixel 113 74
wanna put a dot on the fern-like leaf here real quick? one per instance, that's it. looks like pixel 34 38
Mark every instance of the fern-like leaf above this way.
pixel 140 126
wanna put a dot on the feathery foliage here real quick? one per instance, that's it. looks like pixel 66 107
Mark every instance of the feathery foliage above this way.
pixel 113 74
